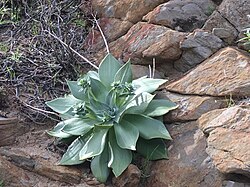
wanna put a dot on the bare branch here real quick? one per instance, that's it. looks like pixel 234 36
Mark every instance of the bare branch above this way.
pixel 103 36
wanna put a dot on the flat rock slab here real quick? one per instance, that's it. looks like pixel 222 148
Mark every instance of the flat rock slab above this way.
pixel 226 73
pixel 188 163
pixel 15 177
pixel 228 139
pixel 190 107
pixel 33 153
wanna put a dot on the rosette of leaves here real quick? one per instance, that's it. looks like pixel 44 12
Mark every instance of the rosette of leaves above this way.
pixel 108 116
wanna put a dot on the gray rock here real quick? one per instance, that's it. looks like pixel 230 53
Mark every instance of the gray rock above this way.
pixel 181 15
pixel 188 163
pixel 197 47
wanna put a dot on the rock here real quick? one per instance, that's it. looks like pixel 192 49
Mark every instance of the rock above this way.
pixel 112 29
pixel 140 44
pixel 236 184
pixel 15 177
pixel 188 163
pixel 228 139
pixel 225 73
pixel 235 11
pixel 41 165
pixel 197 47
pixel 140 71
pixel 130 10
pixel 129 178
pixel 217 24
pixel 10 128
pixel 181 15
pixel 190 107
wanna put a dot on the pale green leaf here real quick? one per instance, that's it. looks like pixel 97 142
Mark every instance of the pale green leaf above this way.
pixel 126 135
pixel 124 74
pixel 107 70
pixel 147 85
pixel 57 131
pixel 63 104
pixel 148 127
pixel 98 89
pixel 153 149
pixel 159 107
pixel 139 104
pixel 78 126
pixel 99 165
pixel 93 75
pixel 76 90
pixel 71 157
pixel 95 145
pixel 119 158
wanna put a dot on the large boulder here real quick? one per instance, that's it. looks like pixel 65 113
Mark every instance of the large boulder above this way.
pixel 197 47
pixel 141 45
pixel 188 163
pixel 225 73
pixel 228 139
pixel 181 15
pixel 130 10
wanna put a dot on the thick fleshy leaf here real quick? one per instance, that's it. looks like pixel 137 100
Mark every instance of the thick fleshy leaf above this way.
pixel 63 104
pixel 57 131
pixel 124 74
pixel 76 90
pixel 99 165
pixel 95 145
pixel 139 104
pixel 159 107
pixel 71 157
pixel 153 149
pixel 148 127
pixel 126 135
pixel 119 158
pixel 93 75
pixel 98 89
pixel 107 70
pixel 147 84
pixel 78 126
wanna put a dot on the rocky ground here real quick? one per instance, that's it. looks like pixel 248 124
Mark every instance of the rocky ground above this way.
pixel 194 45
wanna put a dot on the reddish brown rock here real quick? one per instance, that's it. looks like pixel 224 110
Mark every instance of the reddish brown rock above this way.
pixel 129 178
pixel 190 107
pixel 188 163
pixel 112 29
pixel 228 139
pixel 181 15
pixel 225 73
pixel 15 176
pixel 130 10
pixel 141 45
